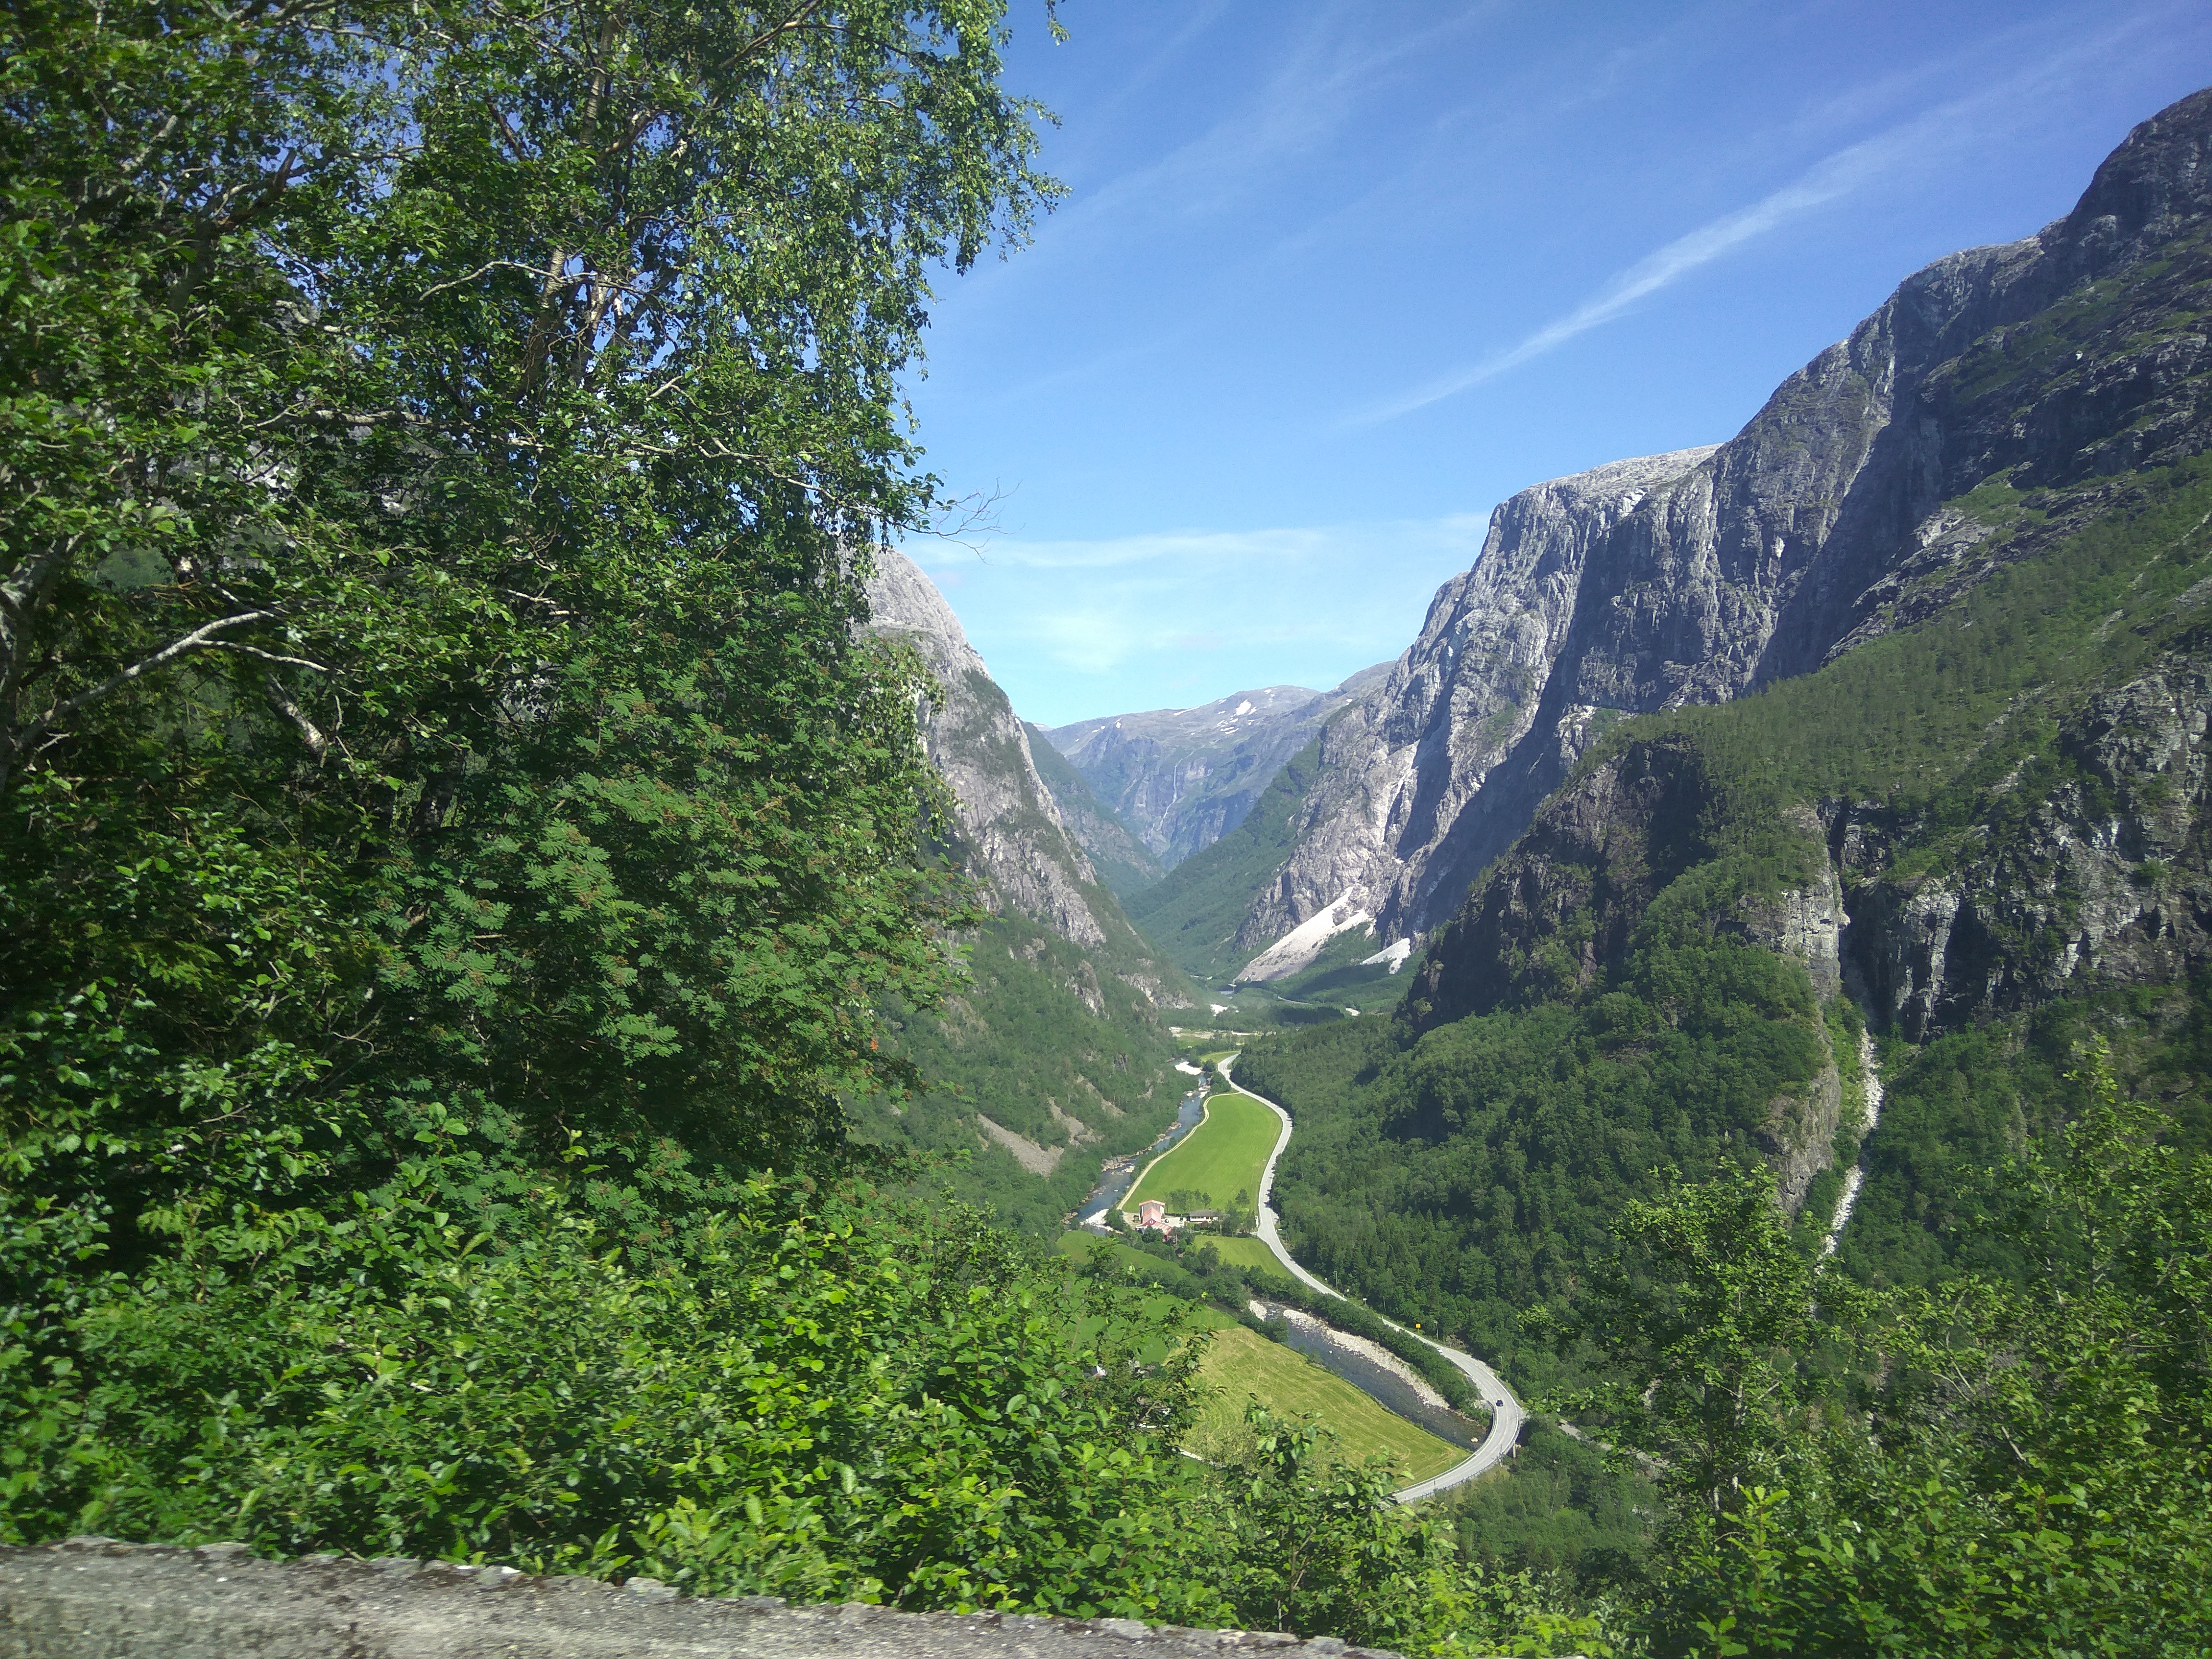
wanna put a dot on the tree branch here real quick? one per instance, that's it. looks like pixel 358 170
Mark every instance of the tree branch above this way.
pixel 200 639
pixel 310 733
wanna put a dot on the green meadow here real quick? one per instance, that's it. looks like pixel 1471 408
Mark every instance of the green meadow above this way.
pixel 1241 1364
pixel 1246 1253
pixel 1223 1156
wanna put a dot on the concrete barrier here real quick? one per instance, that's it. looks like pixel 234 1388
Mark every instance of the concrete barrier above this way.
pixel 93 1598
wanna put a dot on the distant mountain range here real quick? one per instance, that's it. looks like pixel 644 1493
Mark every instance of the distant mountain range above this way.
pixel 1183 778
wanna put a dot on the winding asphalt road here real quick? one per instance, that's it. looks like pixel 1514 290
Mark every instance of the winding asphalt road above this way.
pixel 1506 1414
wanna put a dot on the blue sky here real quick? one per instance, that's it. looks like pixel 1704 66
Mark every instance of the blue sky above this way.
pixel 1332 279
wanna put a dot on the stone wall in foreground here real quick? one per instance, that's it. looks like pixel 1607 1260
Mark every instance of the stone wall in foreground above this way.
pixel 93 1598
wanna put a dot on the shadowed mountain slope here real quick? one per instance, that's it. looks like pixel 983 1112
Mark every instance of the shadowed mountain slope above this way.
pixel 1056 1056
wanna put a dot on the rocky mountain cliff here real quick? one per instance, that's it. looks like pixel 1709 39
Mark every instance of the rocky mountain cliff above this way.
pixel 1009 822
pixel 1864 496
pixel 1380 831
pixel 1183 778
pixel 1055 1054
pixel 1125 864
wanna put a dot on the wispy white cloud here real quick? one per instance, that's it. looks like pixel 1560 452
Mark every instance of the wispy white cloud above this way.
pixel 1838 176
pixel 1918 141
pixel 1343 595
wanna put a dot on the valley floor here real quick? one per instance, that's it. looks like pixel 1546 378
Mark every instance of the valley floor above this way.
pixel 1507 1414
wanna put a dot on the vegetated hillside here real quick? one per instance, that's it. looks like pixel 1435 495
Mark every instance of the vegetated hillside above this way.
pixel 1124 863
pixel 1981 826
pixel 1185 777
pixel 1055 1054
pixel 1194 915
pixel 1694 577
pixel 456 839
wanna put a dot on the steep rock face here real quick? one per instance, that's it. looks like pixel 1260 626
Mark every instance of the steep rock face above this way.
pixel 1008 819
pixel 1411 801
pixel 1125 864
pixel 2105 882
pixel 1183 778
pixel 2077 353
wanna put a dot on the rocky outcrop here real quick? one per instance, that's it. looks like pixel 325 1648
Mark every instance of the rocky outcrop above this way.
pixel 1563 904
pixel 1411 799
pixel 1183 778
pixel 1010 825
pixel 92 1598
pixel 1834 516
pixel 2103 879
pixel 2102 882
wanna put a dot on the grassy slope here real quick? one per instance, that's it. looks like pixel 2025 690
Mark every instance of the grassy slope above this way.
pixel 1223 1156
pixel 1047 1035
pixel 1246 1253
pixel 1194 915
pixel 1241 1364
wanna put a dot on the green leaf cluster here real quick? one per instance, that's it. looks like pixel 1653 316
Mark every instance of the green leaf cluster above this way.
pixel 2018 1468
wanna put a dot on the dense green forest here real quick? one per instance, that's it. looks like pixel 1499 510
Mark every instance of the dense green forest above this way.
pixel 473 895
pixel 1507 1158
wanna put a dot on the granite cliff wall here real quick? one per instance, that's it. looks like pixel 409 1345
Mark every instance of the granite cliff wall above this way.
pixel 2076 354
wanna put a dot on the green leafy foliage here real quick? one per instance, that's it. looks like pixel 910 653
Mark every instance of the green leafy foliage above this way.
pixel 1561 1513
pixel 765 1416
pixel 448 689
pixel 2031 1479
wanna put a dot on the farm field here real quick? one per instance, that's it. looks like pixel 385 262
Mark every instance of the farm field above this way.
pixel 1223 1156
pixel 1246 1253
pixel 1239 1362
pixel 1139 1268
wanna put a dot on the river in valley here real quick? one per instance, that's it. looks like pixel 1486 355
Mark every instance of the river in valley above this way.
pixel 1120 1174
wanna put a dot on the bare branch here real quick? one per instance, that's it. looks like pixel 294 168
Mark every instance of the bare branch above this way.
pixel 267 656
pixel 481 271
pixel 310 733
pixel 200 639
